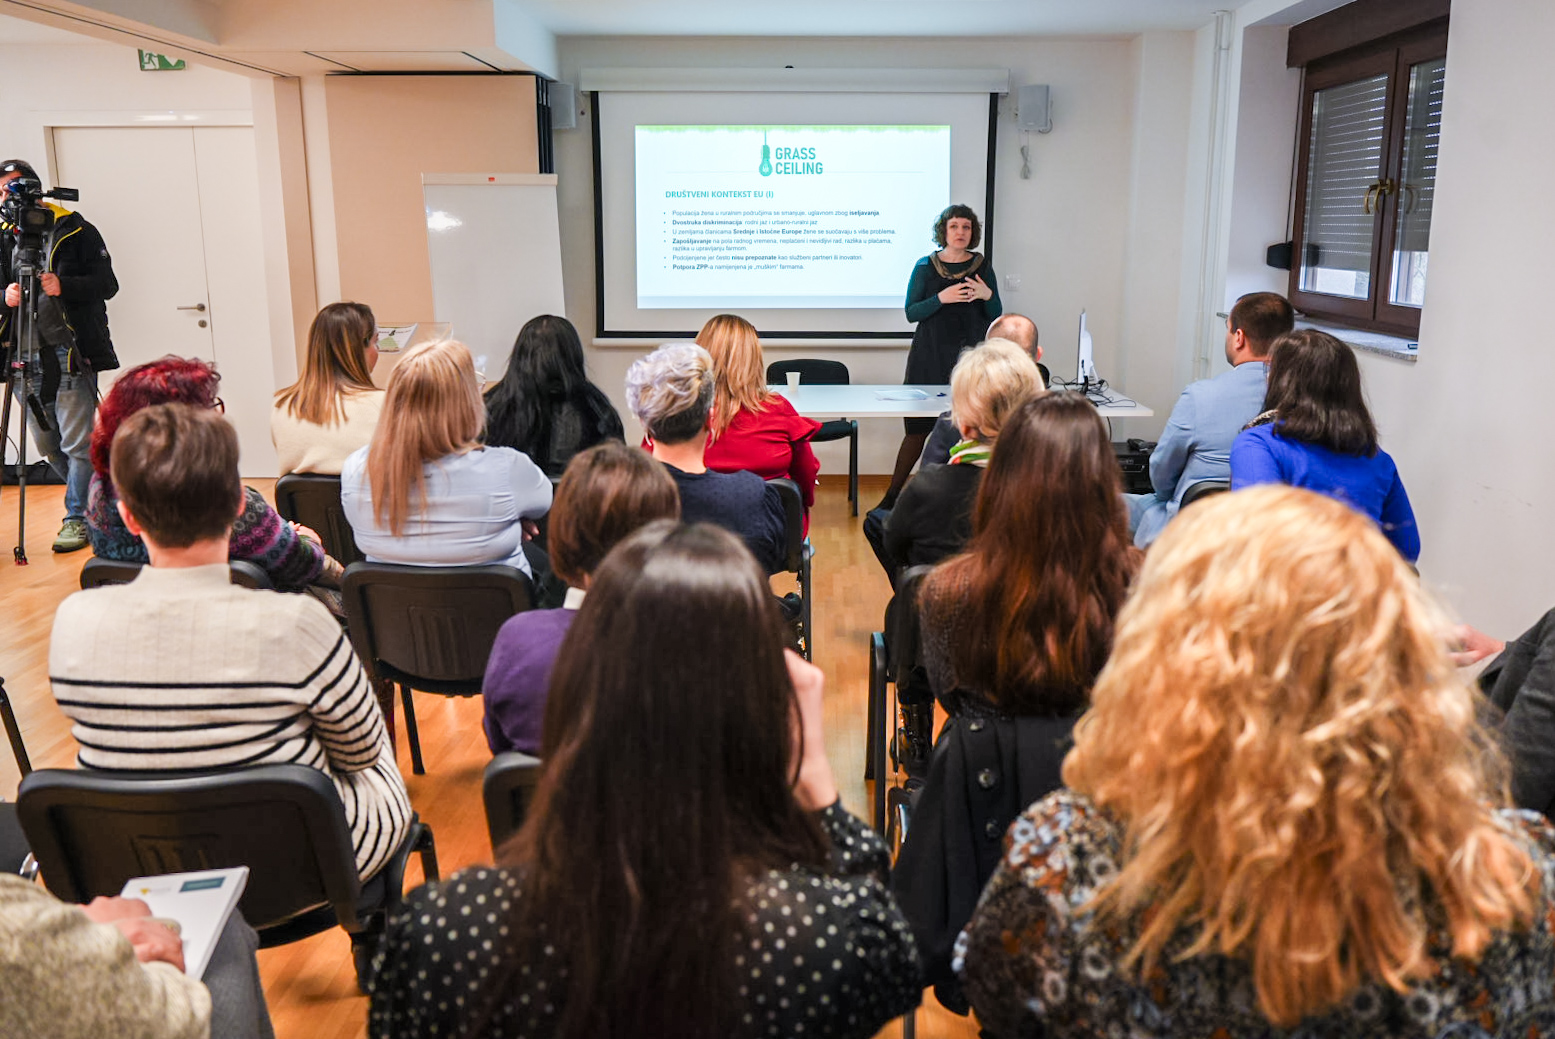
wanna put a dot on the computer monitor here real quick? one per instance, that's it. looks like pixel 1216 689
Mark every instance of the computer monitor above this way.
pixel 1085 364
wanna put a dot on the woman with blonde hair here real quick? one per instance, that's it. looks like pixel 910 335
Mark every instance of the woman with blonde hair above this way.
pixel 333 407
pixel 933 517
pixel 1283 814
pixel 753 429
pixel 426 492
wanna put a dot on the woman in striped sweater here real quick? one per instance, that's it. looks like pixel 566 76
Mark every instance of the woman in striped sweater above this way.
pixel 180 669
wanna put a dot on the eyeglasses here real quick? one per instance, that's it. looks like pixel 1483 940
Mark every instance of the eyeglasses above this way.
pixel 219 405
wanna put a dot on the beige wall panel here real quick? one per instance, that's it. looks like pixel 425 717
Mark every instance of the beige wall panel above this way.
pixel 384 133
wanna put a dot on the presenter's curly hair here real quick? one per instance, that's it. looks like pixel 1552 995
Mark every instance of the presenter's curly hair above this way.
pixel 950 213
pixel 1298 769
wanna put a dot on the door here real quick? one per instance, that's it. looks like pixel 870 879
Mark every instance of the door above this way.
pixel 179 210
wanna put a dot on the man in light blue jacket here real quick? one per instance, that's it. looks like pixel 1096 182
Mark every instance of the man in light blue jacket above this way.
pixel 1196 444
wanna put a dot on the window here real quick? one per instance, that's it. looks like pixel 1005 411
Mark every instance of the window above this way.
pixel 1370 123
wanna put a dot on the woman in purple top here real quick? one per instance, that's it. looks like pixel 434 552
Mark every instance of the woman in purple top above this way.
pixel 605 494
pixel 1316 432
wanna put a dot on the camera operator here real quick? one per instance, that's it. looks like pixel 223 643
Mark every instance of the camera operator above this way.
pixel 78 273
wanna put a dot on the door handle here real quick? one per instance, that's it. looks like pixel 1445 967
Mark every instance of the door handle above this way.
pixel 198 306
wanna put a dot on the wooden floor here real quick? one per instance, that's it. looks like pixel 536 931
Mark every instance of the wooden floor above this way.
pixel 310 985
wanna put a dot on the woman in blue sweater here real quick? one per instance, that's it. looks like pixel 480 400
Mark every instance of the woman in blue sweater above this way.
pixel 1316 432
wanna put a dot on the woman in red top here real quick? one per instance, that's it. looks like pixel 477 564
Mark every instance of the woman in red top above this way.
pixel 753 429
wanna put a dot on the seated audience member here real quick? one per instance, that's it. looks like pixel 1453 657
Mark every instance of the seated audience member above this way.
pixel 933 516
pixel 545 405
pixel 607 492
pixel 1520 682
pixel 109 969
pixel 291 555
pixel 1015 328
pixel 1196 444
pixel 1316 432
pixel 686 867
pixel 1282 813
pixel 1021 625
pixel 425 492
pixel 333 408
pixel 182 670
pixel 754 430
pixel 671 393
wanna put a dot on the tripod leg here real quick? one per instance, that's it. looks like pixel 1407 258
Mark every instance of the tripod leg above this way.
pixel 13 731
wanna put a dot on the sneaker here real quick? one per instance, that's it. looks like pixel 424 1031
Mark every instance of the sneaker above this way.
pixel 71 537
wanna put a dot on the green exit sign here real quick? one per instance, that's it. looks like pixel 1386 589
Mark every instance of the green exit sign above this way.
pixel 150 62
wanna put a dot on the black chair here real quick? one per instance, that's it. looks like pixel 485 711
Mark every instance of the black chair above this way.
pixel 13 731
pixel 99 571
pixel 429 627
pixel 896 664
pixel 15 854
pixel 798 555
pixel 817 372
pixel 507 787
pixel 93 831
pixel 1202 489
pixel 314 501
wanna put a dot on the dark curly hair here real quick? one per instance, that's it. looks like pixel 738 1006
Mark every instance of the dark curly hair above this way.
pixel 169 380
pixel 950 213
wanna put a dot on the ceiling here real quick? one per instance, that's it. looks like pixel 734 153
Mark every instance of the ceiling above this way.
pixel 869 17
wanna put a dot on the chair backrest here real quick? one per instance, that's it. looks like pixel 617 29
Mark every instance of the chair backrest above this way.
pixel 793 522
pixel 430 627
pixel 1202 489
pixel 314 501
pixel 904 643
pixel 13 843
pixel 98 572
pixel 811 370
pixel 1047 378
pixel 93 831
pixel 507 788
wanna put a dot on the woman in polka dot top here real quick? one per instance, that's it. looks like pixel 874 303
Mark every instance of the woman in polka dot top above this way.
pixel 686 868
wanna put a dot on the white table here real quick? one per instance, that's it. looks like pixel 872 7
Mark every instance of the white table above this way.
pixel 866 401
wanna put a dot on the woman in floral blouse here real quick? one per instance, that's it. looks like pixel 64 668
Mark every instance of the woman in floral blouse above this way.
pixel 1282 813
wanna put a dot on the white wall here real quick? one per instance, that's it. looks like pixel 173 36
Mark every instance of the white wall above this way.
pixel 1261 185
pixel 1087 230
pixel 1469 423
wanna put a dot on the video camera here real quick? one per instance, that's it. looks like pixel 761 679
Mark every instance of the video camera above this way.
pixel 23 208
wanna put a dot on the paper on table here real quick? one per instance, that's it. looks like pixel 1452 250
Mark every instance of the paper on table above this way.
pixel 905 393
pixel 394 338
pixel 200 902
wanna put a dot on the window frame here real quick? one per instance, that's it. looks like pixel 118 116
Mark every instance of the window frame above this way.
pixel 1394 56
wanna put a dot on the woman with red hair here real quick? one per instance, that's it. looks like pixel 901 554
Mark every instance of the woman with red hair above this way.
pixel 293 556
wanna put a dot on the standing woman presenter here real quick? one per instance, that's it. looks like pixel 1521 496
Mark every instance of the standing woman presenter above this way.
pixel 953 297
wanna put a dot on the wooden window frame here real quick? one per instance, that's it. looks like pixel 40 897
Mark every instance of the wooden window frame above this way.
pixel 1394 56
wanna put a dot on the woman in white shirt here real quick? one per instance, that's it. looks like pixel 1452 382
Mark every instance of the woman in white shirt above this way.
pixel 333 407
pixel 425 491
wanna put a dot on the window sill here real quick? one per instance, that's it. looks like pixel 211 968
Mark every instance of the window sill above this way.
pixel 1397 347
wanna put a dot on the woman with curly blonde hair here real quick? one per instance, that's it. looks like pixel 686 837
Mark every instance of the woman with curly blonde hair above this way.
pixel 1282 815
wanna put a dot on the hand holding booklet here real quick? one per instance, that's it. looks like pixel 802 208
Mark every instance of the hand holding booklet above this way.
pixel 199 903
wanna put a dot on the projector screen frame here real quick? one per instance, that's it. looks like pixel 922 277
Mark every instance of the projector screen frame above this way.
pixel 602 332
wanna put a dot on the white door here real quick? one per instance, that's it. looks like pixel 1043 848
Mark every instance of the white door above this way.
pixel 179 210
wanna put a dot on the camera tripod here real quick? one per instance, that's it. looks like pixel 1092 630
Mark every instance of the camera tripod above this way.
pixel 23 372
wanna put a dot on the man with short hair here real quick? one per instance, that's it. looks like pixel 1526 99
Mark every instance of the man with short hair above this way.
pixel 182 670
pixel 1196 444
pixel 1016 328
pixel 78 273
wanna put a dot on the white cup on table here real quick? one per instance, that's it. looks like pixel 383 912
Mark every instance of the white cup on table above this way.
pixel 793 382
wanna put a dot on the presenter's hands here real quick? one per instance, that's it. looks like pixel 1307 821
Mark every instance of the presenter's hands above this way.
pixel 980 289
pixel 152 940
pixel 50 283
pixel 960 292
pixel 13 295
pixel 1467 645
pixel 816 787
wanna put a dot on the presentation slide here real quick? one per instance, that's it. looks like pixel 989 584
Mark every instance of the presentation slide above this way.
pixel 784 217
